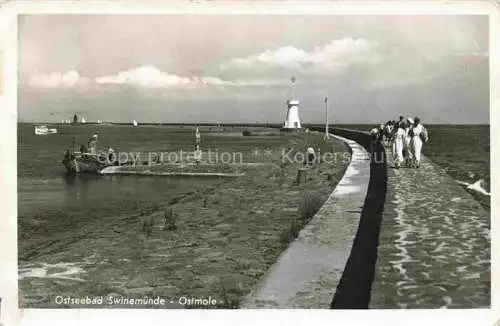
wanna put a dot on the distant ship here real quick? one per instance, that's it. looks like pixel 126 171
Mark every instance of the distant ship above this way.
pixel 99 121
pixel 77 120
pixel 44 130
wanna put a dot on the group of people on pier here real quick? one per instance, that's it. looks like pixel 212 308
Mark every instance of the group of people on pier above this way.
pixel 405 138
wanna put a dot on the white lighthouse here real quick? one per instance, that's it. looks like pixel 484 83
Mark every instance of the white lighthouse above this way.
pixel 292 121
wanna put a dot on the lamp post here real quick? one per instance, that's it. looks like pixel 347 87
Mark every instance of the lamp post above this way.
pixel 327 134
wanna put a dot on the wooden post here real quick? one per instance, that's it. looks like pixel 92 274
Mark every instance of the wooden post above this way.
pixel 301 176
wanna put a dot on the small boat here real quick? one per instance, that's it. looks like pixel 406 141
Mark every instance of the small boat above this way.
pixel 135 123
pixel 99 121
pixel 44 130
pixel 77 162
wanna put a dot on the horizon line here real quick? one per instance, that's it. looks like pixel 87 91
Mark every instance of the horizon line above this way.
pixel 206 123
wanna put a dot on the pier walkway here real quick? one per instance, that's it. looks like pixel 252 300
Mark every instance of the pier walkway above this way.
pixel 434 244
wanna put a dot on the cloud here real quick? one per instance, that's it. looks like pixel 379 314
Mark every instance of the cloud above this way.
pixel 271 67
pixel 57 79
pixel 152 77
pixel 332 56
pixel 146 77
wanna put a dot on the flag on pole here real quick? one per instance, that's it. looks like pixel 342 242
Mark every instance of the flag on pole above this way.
pixel 293 79
pixel 326 99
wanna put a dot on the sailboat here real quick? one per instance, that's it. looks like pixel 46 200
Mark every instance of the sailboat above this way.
pixel 83 120
pixel 135 123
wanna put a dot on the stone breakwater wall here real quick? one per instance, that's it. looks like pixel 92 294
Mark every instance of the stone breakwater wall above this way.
pixel 354 288
pixel 326 261
pixel 434 247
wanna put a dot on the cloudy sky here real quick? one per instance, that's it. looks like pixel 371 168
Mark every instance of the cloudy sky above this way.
pixel 237 68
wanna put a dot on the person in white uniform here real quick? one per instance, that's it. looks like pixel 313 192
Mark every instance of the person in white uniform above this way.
pixel 311 155
pixel 391 129
pixel 399 143
pixel 387 132
pixel 418 136
pixel 407 143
